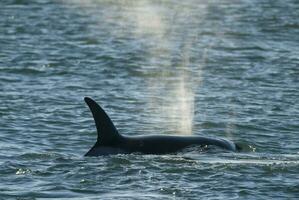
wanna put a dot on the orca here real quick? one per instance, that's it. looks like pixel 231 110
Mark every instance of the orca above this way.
pixel 109 141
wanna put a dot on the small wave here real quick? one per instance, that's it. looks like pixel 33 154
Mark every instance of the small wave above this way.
pixel 38 156
pixel 24 71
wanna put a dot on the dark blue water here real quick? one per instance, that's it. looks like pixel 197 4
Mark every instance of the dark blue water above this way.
pixel 212 68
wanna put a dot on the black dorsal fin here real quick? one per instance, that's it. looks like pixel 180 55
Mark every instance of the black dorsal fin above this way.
pixel 107 133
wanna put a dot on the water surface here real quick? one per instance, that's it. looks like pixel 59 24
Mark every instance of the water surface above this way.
pixel 212 68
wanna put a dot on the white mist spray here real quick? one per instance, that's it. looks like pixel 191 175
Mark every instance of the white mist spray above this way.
pixel 171 90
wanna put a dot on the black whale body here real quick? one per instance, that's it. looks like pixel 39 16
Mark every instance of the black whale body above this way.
pixel 109 141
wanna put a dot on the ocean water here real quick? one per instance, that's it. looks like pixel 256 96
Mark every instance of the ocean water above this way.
pixel 213 68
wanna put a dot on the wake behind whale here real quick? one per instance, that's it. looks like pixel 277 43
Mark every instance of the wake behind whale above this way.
pixel 109 140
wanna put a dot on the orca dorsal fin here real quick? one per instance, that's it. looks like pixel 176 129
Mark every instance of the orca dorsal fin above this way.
pixel 107 133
